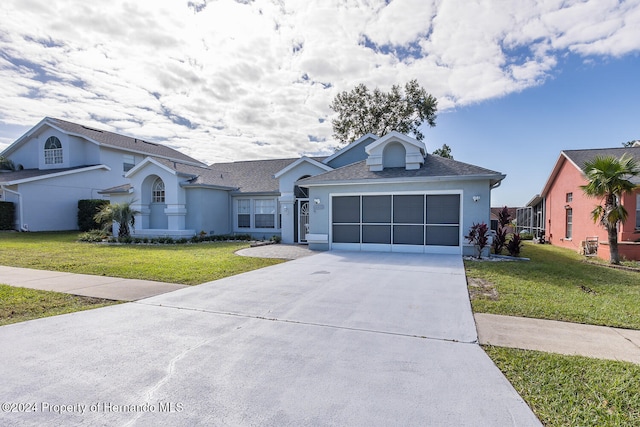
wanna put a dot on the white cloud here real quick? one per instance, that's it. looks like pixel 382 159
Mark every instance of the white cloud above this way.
pixel 226 80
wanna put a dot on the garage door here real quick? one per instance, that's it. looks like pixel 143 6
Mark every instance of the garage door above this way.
pixel 392 222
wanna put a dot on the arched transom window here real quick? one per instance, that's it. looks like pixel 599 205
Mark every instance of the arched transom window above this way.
pixel 157 191
pixel 52 151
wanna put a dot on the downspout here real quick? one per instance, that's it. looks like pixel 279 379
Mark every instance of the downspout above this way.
pixel 5 189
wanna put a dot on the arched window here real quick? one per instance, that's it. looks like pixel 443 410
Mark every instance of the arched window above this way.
pixel 52 151
pixel 157 191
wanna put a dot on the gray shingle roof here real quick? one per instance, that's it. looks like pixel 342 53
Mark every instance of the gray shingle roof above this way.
pixel 121 141
pixel 434 166
pixel 580 157
pixel 253 176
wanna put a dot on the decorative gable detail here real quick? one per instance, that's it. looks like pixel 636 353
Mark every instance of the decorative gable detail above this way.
pixel 395 150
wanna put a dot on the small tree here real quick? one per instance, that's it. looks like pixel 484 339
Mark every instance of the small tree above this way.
pixel 121 213
pixel 504 218
pixel 479 236
pixel 445 152
pixel 609 180
pixel 7 164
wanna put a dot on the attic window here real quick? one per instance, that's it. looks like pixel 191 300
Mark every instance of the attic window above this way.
pixel 128 162
pixel 53 151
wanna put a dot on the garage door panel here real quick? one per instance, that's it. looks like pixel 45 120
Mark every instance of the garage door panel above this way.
pixel 408 234
pixel 443 209
pixel 408 209
pixel 443 235
pixel 376 234
pixel 346 233
pixel 376 209
pixel 346 209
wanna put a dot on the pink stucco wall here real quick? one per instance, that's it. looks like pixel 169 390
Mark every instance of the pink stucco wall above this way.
pixel 568 180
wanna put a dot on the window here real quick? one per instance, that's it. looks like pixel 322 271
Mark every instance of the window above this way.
pixel 265 210
pixel 244 213
pixel 128 162
pixel 569 224
pixel 569 197
pixel 52 151
pixel 638 211
pixel 157 192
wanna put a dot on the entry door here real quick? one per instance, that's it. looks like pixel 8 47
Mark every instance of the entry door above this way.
pixel 303 220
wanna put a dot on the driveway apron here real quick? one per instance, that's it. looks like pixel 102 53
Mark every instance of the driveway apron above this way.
pixel 337 338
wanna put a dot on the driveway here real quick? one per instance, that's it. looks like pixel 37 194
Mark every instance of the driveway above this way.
pixel 337 338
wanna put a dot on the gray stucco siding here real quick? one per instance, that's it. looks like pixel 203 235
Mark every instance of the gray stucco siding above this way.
pixel 208 210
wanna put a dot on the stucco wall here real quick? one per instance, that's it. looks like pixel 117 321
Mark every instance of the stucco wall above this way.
pixel 52 204
pixel 208 210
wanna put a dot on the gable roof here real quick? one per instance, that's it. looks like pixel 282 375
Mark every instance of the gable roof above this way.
pixel 106 139
pixel 303 159
pixel 579 157
pixel 434 167
pixel 395 135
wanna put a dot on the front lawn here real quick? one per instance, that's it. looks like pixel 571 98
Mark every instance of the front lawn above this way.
pixel 572 390
pixel 557 284
pixel 20 304
pixel 189 264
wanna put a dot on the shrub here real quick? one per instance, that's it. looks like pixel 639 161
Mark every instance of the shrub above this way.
pixel 87 209
pixel 181 241
pixel 515 245
pixel 504 218
pixel 526 236
pixel 276 239
pixel 7 216
pixel 93 236
pixel 478 235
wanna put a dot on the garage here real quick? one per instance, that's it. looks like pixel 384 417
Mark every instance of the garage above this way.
pixel 396 222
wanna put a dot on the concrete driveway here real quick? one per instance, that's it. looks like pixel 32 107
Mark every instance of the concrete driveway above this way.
pixel 338 338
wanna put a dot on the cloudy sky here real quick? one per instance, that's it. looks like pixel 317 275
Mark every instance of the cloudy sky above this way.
pixel 223 80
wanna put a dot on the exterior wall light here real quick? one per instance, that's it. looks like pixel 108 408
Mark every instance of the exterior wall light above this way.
pixel 476 198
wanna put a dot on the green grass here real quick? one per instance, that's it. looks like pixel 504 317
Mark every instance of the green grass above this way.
pixel 20 304
pixel 557 284
pixel 573 390
pixel 189 264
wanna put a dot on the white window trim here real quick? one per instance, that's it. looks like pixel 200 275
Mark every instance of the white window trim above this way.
pixel 252 213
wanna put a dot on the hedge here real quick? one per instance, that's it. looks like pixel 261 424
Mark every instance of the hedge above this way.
pixel 7 216
pixel 87 208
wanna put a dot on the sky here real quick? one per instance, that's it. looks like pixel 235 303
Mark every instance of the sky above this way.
pixel 517 81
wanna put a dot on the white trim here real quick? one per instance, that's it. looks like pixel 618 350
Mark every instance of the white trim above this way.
pixel 377 181
pixel 56 174
pixel 303 159
pixel 395 135
pixel 144 162
pixel 349 147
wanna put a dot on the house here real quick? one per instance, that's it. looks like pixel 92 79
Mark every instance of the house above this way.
pixel 377 193
pixel 563 211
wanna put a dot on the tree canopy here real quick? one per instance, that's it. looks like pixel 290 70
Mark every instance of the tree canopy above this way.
pixel 608 179
pixel 361 111
pixel 445 152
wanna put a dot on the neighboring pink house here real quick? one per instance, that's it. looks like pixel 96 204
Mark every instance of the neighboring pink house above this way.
pixel 567 210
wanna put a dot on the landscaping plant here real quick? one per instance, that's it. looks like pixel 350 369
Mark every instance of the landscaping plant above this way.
pixel 479 236
pixel 500 239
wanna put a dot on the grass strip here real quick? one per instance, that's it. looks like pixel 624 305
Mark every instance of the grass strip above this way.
pixel 20 304
pixel 572 390
pixel 557 284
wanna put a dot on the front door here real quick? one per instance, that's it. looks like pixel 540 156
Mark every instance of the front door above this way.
pixel 303 220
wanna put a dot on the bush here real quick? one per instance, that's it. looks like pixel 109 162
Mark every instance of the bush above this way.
pixel 526 236
pixel 479 236
pixel 87 208
pixel 276 239
pixel 515 245
pixel 93 236
pixel 7 216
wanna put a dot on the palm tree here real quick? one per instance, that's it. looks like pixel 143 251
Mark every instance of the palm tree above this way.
pixel 122 213
pixel 608 180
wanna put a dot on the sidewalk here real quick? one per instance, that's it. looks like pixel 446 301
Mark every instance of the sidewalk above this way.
pixel 551 336
pixel 112 288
